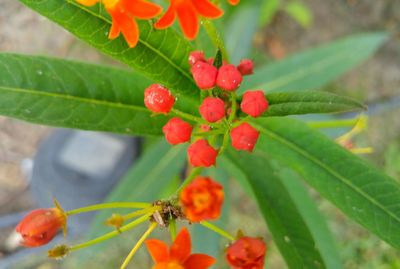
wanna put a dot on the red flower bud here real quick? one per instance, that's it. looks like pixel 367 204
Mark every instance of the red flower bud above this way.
pixel 246 253
pixel 204 75
pixel 229 78
pixel 158 99
pixel 212 109
pixel 254 103
pixel 40 226
pixel 177 131
pixel 196 56
pixel 201 154
pixel 202 199
pixel 244 137
pixel 246 67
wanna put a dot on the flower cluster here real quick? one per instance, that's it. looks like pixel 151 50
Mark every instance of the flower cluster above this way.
pixel 125 12
pixel 219 110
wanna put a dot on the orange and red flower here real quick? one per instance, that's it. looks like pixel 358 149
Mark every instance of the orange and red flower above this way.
pixel 188 12
pixel 202 199
pixel 123 14
pixel 40 226
pixel 178 255
pixel 246 253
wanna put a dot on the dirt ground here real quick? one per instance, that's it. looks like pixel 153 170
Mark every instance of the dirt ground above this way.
pixel 378 79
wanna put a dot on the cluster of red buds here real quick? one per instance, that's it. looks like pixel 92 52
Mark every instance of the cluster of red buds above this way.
pixel 219 110
pixel 199 199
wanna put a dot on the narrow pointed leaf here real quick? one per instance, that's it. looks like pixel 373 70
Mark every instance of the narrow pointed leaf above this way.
pixel 315 67
pixel 160 55
pixel 289 229
pixel 361 191
pixel 75 95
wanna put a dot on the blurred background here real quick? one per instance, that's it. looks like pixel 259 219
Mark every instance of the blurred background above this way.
pixel 283 28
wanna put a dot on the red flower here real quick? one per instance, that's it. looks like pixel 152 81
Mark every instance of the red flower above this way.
pixel 246 67
pixel 229 78
pixel 246 253
pixel 212 109
pixel 244 137
pixel 40 226
pixel 188 12
pixel 123 14
pixel 178 255
pixel 201 154
pixel 158 99
pixel 196 56
pixel 254 103
pixel 202 199
pixel 204 74
pixel 177 131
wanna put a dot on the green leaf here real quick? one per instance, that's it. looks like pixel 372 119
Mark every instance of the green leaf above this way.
pixel 160 55
pixel 296 103
pixel 75 95
pixel 361 191
pixel 315 67
pixel 268 10
pixel 288 227
pixel 300 13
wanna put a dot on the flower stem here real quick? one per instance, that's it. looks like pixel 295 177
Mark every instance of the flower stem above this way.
pixel 112 234
pixel 138 244
pixel 186 116
pixel 172 228
pixel 218 230
pixel 333 123
pixel 234 108
pixel 141 212
pixel 107 206
pixel 215 37
pixel 193 174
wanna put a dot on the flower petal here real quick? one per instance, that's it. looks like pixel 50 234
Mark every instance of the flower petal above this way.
pixel 167 19
pixel 207 9
pixel 141 9
pixel 199 261
pixel 182 246
pixel 188 19
pixel 158 250
pixel 114 30
pixel 126 24
pixel 234 2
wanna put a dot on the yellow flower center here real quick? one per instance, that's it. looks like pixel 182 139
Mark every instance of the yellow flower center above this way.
pixel 174 265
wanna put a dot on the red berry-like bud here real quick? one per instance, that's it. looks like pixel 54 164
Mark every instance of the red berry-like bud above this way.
pixel 244 137
pixel 177 131
pixel 212 109
pixel 254 103
pixel 246 67
pixel 40 226
pixel 158 99
pixel 229 78
pixel 196 56
pixel 247 253
pixel 204 75
pixel 201 154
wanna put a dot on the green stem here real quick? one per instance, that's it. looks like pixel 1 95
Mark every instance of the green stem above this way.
pixel 138 244
pixel 186 116
pixel 193 174
pixel 215 37
pixel 172 228
pixel 332 123
pixel 209 133
pixel 224 142
pixel 218 230
pixel 112 234
pixel 233 107
pixel 107 206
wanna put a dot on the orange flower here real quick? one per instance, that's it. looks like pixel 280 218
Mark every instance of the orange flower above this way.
pixel 246 253
pixel 234 2
pixel 123 14
pixel 40 226
pixel 188 12
pixel 202 199
pixel 178 256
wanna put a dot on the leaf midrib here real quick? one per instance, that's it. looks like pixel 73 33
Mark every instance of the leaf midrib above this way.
pixel 140 39
pixel 74 98
pixel 322 165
